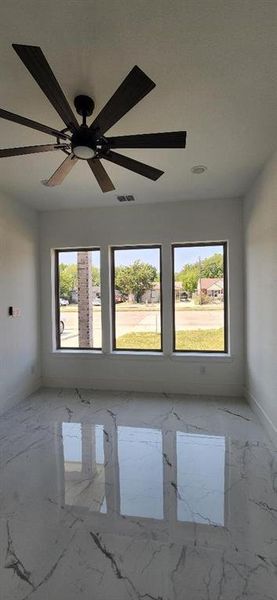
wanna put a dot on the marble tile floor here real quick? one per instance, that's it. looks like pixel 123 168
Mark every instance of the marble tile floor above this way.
pixel 118 496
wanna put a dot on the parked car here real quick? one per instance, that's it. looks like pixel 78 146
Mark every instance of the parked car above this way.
pixel 96 302
pixel 63 302
pixel 184 297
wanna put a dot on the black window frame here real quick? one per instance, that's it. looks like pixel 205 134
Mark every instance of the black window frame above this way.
pixel 226 308
pixel 57 298
pixel 113 304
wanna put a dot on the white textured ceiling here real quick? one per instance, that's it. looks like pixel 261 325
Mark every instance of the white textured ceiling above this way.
pixel 215 68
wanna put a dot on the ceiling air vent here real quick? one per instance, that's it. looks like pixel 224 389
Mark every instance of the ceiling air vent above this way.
pixel 127 198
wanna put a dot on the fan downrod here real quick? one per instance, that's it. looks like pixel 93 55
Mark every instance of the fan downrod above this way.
pixel 84 105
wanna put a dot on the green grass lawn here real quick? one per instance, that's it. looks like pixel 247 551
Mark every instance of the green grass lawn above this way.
pixel 198 339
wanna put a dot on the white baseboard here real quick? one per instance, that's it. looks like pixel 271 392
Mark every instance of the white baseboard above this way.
pixel 262 416
pixel 156 386
pixel 17 396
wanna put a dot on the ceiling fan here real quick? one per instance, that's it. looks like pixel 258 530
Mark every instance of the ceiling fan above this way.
pixel 89 142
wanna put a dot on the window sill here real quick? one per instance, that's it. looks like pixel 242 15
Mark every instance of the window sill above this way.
pixel 202 356
pixel 133 355
pixel 62 352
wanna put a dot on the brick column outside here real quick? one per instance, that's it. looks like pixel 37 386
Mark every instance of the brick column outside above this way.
pixel 84 299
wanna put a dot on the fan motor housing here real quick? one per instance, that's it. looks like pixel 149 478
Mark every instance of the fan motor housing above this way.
pixel 84 137
pixel 84 105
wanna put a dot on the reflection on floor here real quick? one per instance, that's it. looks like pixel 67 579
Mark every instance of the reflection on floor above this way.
pixel 132 496
pixel 84 470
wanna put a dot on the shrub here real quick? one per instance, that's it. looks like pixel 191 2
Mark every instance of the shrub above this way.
pixel 202 299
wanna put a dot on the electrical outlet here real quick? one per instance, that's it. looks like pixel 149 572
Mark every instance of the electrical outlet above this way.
pixel 14 312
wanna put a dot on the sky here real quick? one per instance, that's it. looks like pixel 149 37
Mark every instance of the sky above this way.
pixel 127 257
pixel 149 255
pixel 183 256
pixel 70 258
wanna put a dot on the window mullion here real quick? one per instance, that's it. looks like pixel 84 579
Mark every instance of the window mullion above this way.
pixel 106 299
pixel 167 327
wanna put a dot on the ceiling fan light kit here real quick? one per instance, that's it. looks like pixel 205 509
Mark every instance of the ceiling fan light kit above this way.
pixel 88 142
pixel 84 143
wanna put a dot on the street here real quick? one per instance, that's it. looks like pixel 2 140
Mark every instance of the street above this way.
pixel 131 321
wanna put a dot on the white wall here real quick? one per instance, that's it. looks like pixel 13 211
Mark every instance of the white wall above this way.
pixel 260 220
pixel 19 279
pixel 133 224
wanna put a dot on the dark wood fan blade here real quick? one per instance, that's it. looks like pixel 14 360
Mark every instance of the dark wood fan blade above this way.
pixel 30 149
pixel 5 114
pixel 174 139
pixel 36 63
pixel 62 171
pixel 101 175
pixel 134 87
pixel 133 165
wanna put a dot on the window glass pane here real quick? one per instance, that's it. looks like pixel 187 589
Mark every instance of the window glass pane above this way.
pixel 199 282
pixel 137 299
pixel 79 299
pixel 140 472
pixel 200 478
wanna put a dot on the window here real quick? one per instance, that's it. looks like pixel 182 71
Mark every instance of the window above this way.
pixel 78 299
pixel 200 315
pixel 136 298
pixel 200 297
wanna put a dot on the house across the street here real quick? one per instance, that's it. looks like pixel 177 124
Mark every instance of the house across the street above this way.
pixel 152 295
pixel 213 287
